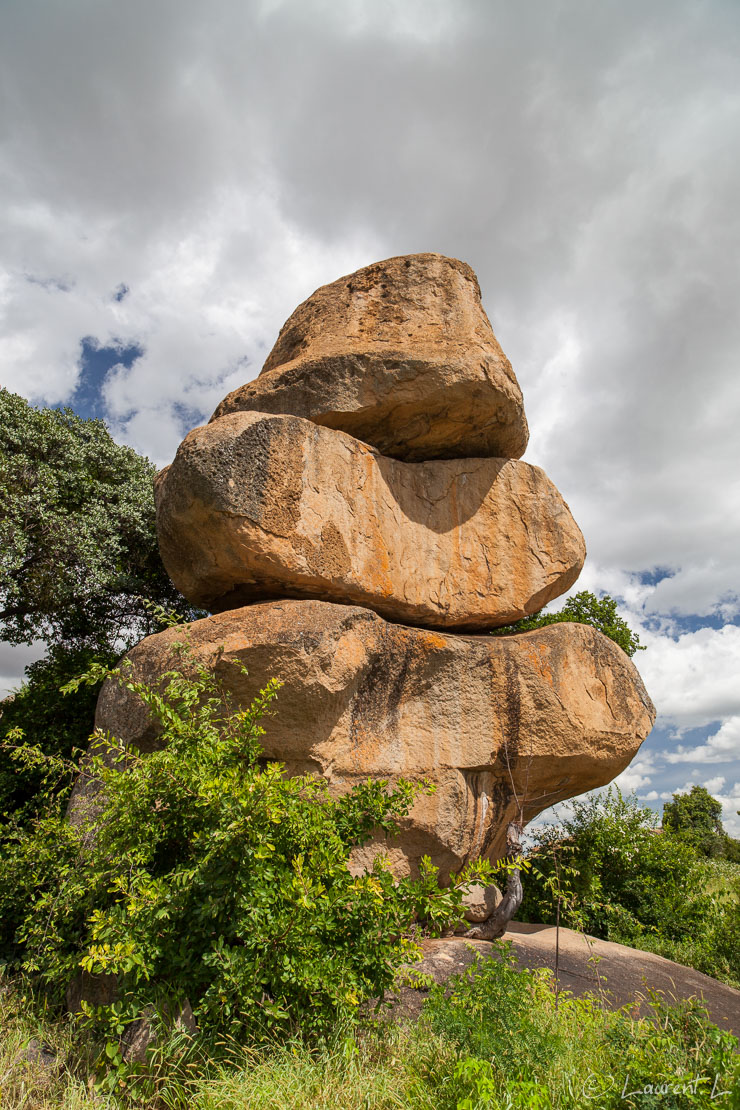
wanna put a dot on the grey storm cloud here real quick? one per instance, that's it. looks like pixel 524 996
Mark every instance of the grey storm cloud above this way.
pixel 220 161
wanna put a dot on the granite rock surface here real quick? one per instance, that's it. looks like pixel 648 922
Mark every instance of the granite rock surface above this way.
pixel 400 355
pixel 502 726
pixel 258 506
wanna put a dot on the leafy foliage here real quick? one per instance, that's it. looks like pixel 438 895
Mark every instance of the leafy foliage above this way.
pixel 495 1040
pixel 203 872
pixel 78 549
pixel 54 723
pixel 583 608
pixel 79 566
pixel 625 876
pixel 696 811
pixel 618 877
pixel 516 1047
pixel 697 817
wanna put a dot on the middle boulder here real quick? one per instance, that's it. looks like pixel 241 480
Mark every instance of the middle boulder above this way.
pixel 256 506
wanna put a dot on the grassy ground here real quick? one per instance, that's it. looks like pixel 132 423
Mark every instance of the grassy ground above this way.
pixel 499 1040
pixel 32 1084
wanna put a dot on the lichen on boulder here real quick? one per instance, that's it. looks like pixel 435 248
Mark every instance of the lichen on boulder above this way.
pixel 495 724
pixel 257 506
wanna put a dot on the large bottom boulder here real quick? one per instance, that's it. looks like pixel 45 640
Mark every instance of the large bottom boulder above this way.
pixel 502 726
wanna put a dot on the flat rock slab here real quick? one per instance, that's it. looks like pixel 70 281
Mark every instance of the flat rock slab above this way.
pixel 492 722
pixel 258 506
pixel 616 974
pixel 401 355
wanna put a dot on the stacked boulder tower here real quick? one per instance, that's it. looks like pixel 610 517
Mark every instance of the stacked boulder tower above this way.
pixel 358 519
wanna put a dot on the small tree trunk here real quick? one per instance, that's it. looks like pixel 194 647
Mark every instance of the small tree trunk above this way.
pixel 495 925
pixel 557 952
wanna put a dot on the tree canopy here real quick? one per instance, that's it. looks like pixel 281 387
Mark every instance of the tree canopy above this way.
pixel 697 817
pixel 79 564
pixel 583 608
pixel 78 548
pixel 697 811
pixel 56 723
pixel 605 867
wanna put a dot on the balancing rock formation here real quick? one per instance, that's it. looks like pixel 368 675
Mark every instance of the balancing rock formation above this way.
pixel 357 520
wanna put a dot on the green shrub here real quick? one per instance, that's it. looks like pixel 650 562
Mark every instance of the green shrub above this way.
pixel 714 947
pixel 487 1015
pixel 621 878
pixel 625 875
pixel 516 1045
pixel 212 876
pixel 499 1039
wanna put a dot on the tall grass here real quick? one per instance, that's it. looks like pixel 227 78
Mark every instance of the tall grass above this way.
pixel 499 1039
pixel 31 1084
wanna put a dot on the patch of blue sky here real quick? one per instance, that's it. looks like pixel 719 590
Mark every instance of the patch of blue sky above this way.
pixel 96 361
pixel 659 775
pixel 189 417
pixel 58 284
pixel 654 779
pixel 654 575
pixel 665 737
pixel 675 625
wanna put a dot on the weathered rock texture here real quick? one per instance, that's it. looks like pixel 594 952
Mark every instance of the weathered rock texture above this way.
pixel 480 902
pixel 492 722
pixel 374 463
pixel 400 355
pixel 143 1034
pixel 258 506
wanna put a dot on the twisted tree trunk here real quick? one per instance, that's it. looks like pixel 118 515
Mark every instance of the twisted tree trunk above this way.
pixel 495 925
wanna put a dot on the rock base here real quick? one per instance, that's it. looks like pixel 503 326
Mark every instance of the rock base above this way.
pixel 503 727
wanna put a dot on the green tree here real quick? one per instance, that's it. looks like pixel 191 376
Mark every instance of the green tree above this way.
pixel 624 876
pixel 583 608
pixel 697 816
pixel 616 875
pixel 57 723
pixel 79 569
pixel 78 548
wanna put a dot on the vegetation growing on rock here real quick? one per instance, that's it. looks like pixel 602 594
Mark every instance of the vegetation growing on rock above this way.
pixel 612 872
pixel 200 872
pixel 502 1041
pixel 583 608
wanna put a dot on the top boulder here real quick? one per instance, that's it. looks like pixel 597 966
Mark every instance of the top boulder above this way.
pixel 400 355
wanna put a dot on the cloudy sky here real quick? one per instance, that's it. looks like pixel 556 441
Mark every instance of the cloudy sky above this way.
pixel 176 176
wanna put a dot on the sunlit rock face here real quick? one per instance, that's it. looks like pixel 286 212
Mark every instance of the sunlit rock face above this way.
pixel 492 722
pixel 259 506
pixel 400 355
